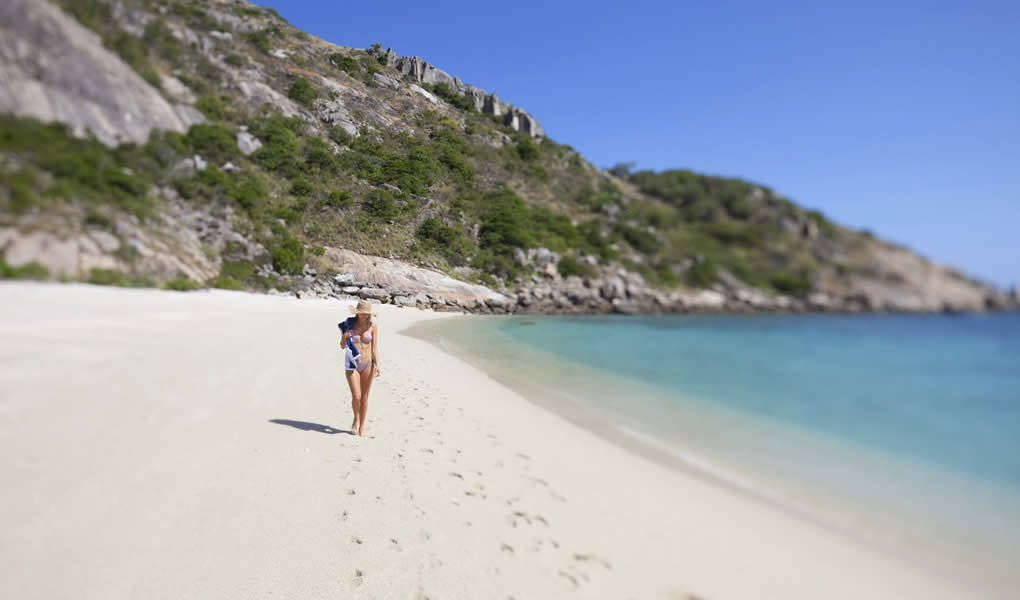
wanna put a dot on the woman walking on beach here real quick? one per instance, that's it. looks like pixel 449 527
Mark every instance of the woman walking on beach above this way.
pixel 360 342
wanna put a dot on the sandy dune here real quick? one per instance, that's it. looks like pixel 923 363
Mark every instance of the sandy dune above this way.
pixel 168 445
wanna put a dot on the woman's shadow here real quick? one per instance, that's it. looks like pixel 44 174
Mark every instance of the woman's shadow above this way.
pixel 306 426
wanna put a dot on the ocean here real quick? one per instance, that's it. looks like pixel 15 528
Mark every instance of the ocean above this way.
pixel 902 431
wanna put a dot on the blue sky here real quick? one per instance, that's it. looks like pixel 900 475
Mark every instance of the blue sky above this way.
pixel 898 117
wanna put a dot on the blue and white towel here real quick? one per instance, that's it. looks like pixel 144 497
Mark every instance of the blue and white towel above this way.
pixel 351 353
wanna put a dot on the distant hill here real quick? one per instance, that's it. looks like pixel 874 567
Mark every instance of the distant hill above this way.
pixel 209 143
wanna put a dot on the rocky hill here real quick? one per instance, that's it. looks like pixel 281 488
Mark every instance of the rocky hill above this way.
pixel 209 143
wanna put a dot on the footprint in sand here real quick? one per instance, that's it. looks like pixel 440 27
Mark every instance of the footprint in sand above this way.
pixel 357 578
pixel 344 516
pixel 351 492
pixel 541 544
pixel 457 475
pixel 520 517
pixel 574 578
pixel 395 545
pixel 506 548
pixel 356 540
pixel 593 559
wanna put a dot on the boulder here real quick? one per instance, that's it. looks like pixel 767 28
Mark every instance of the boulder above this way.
pixel 376 293
pixel 176 89
pixel 497 302
pixel 819 301
pixel 403 301
pixel 520 259
pixel 613 287
pixel 350 289
pixel 543 256
pixel 344 278
pixel 701 300
pixel 335 112
pixel 247 143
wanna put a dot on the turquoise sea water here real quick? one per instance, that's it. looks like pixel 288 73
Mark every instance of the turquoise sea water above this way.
pixel 902 430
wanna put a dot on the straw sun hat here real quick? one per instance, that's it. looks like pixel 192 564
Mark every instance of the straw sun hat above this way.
pixel 363 306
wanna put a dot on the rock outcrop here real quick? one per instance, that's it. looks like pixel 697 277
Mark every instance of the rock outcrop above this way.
pixel 53 69
pixel 423 72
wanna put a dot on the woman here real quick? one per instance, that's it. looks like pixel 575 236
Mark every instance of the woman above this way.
pixel 360 340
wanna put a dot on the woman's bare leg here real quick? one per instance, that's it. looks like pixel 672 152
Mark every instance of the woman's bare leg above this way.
pixel 354 382
pixel 366 386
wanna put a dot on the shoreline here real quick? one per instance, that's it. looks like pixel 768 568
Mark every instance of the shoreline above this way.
pixel 194 445
pixel 877 527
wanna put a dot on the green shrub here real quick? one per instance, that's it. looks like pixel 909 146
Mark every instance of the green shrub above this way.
pixel 346 63
pixel 94 218
pixel 226 283
pixel 370 66
pixel 796 284
pixel 132 50
pixel 249 194
pixel 824 224
pixel 21 190
pixel 451 95
pixel 666 275
pixel 81 169
pixel 211 106
pixel 99 276
pixel 641 240
pixel 302 91
pixel 317 250
pixel 260 39
pixel 339 198
pixel 527 149
pixel 319 156
pixel 736 233
pixel 182 284
pixel 554 231
pixel 247 11
pixel 160 40
pixel 505 224
pixel 289 256
pixel 236 60
pixel 702 273
pixel 212 142
pixel 434 230
pixel 239 270
pixel 279 151
pixel 32 270
pixel 339 135
pixel 381 205
pixel 301 187
pixel 569 265
pixel 537 172
pixel 90 13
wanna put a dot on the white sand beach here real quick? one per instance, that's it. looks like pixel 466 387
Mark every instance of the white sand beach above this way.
pixel 194 445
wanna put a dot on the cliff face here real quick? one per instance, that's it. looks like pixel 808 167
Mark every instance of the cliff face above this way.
pixel 263 158
pixel 483 102
pixel 54 69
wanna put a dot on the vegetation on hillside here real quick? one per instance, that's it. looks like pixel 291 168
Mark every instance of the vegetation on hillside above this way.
pixel 455 188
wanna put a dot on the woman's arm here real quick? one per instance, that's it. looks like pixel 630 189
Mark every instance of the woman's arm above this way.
pixel 375 349
pixel 343 339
